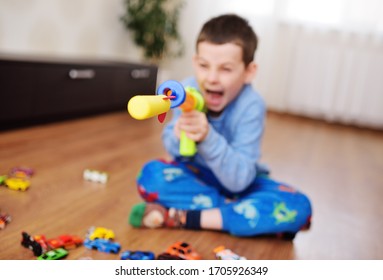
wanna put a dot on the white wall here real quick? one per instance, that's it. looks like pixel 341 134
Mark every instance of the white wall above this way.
pixel 65 28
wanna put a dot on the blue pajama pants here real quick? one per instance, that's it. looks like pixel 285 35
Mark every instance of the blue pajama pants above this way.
pixel 266 207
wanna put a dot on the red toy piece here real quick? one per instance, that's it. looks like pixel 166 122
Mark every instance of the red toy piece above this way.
pixel 4 219
pixel 65 241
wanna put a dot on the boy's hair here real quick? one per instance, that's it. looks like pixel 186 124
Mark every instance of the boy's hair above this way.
pixel 230 28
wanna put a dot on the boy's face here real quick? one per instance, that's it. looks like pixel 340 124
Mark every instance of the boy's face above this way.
pixel 221 73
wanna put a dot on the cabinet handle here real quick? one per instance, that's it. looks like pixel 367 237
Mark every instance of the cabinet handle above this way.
pixel 140 73
pixel 77 74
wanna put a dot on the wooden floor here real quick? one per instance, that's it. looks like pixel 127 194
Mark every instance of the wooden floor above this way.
pixel 340 168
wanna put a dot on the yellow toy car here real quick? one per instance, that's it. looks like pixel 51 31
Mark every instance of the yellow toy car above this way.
pixel 100 233
pixel 17 184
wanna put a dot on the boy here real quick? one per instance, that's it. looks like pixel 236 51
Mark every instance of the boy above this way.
pixel 223 187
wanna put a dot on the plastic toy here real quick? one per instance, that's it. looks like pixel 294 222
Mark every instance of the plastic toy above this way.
pixel 42 241
pixel 4 220
pixel 54 254
pixel 28 242
pixel 221 253
pixel 17 184
pixel 167 256
pixel 103 245
pixel 65 241
pixel 2 179
pixel 100 232
pixel 96 176
pixel 21 172
pixel 183 250
pixel 137 255
pixel 170 94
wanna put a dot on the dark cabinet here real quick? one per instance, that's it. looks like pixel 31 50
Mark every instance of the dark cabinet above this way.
pixel 35 91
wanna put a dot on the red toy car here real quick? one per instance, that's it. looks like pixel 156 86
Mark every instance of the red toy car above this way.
pixel 4 219
pixel 65 241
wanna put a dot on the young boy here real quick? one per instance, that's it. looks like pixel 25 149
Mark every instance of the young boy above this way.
pixel 223 187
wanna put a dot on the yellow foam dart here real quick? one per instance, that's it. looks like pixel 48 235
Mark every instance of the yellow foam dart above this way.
pixel 143 107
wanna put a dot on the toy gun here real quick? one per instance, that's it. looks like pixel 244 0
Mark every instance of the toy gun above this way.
pixel 170 94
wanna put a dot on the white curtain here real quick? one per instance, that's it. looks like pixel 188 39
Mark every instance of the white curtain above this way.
pixel 319 58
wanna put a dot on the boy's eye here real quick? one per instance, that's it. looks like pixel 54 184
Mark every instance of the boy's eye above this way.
pixel 227 69
pixel 202 65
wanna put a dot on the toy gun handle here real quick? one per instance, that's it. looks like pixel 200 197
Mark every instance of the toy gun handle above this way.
pixel 193 101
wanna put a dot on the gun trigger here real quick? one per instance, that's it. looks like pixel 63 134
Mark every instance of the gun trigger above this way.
pixel 161 117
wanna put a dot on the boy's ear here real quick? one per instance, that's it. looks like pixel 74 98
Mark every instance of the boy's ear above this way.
pixel 251 70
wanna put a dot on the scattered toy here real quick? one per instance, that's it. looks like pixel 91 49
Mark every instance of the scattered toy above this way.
pixel 100 232
pixel 137 255
pixel 4 220
pixel 21 172
pixel 17 184
pixel 54 254
pixel 183 250
pixel 103 245
pixel 28 242
pixel 65 241
pixel 221 253
pixel 96 176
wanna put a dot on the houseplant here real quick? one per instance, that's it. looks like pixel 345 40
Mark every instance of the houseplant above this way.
pixel 154 26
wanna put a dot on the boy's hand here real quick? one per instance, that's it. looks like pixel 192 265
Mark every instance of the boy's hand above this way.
pixel 194 123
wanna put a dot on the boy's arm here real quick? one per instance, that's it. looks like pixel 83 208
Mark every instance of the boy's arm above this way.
pixel 234 163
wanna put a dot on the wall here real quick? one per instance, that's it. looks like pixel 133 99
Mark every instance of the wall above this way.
pixel 62 28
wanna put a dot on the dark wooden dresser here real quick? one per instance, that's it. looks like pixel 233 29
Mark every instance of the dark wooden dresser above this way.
pixel 37 91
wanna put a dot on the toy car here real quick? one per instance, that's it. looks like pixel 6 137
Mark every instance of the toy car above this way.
pixel 221 253
pixel 95 176
pixel 2 179
pixel 17 184
pixel 28 242
pixel 4 219
pixel 103 245
pixel 65 241
pixel 42 241
pixel 167 256
pixel 183 250
pixel 54 254
pixel 21 172
pixel 100 232
pixel 137 255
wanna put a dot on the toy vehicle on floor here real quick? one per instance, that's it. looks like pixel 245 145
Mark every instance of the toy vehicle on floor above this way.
pixel 183 250
pixel 137 255
pixel 65 241
pixel 2 179
pixel 54 254
pixel 28 242
pixel 221 253
pixel 100 232
pixel 4 220
pixel 41 239
pixel 96 176
pixel 17 184
pixel 21 172
pixel 103 245
pixel 167 256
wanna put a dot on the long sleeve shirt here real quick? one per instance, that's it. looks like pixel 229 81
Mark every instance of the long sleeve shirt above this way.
pixel 232 148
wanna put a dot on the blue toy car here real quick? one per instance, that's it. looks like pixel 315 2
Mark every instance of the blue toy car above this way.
pixel 103 245
pixel 137 255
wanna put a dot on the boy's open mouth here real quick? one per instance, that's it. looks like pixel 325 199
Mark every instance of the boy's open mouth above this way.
pixel 213 97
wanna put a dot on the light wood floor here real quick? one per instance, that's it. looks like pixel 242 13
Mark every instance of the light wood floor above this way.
pixel 340 168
